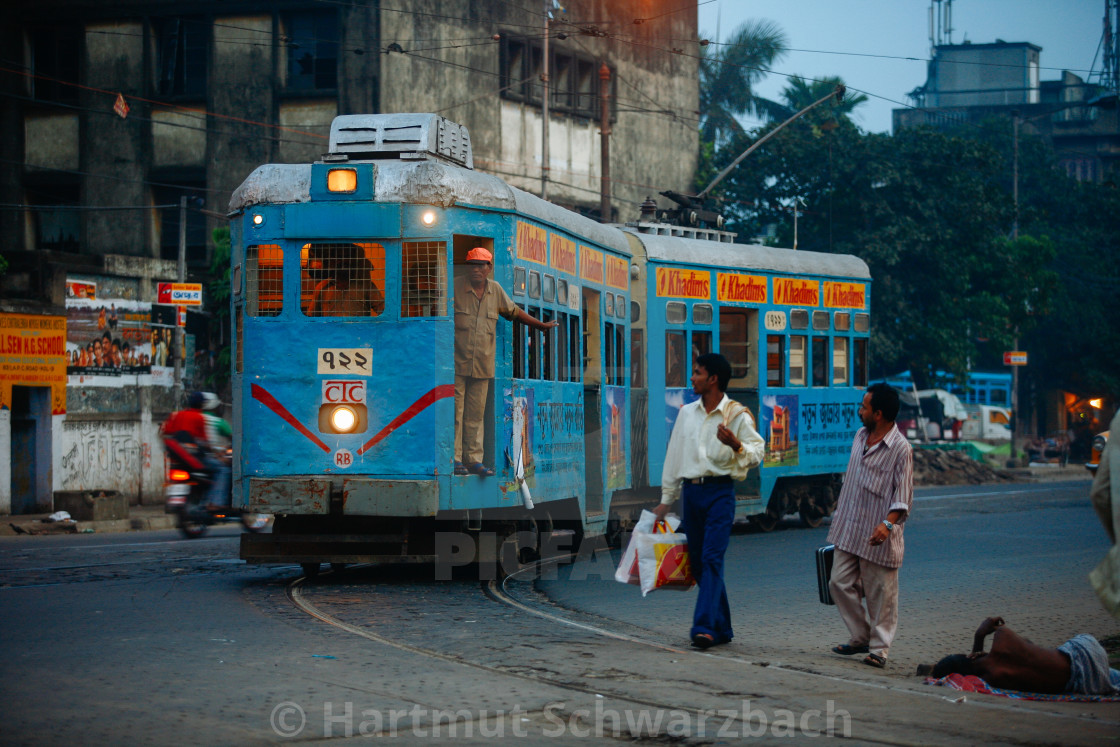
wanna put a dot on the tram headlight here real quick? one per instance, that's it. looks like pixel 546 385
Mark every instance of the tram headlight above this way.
pixel 343 419
pixel 258 220
pixel 342 180
pixel 428 218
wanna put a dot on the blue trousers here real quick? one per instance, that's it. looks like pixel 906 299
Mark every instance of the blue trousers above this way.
pixel 708 513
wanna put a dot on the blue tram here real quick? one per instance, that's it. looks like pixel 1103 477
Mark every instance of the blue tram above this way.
pixel 343 354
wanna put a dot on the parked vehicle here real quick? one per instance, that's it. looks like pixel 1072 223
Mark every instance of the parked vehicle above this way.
pixel 987 423
pixel 1099 442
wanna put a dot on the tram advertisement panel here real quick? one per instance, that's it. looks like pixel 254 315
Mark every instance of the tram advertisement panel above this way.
pixel 779 417
pixel 563 254
pixel 590 265
pixel 614 405
pixel 827 429
pixel 797 292
pixel 674 283
pixel 844 295
pixel 530 243
pixel 735 287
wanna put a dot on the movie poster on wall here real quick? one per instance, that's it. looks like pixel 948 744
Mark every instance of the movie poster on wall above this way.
pixel 110 342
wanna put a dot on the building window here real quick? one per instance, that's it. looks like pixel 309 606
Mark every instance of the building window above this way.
pixel 574 81
pixel 55 55
pixel 309 43
pixel 181 56
pixel 167 218
pixel 56 227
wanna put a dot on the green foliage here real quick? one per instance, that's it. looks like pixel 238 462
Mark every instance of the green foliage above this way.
pixel 218 288
pixel 728 78
pixel 932 215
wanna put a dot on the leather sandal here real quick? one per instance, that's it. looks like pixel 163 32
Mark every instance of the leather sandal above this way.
pixel 874 660
pixel 461 469
pixel 481 470
pixel 845 650
pixel 703 641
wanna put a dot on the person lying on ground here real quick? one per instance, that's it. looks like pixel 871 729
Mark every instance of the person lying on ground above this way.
pixel 1080 665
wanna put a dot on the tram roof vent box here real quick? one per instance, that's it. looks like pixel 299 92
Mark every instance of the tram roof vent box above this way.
pixel 400 136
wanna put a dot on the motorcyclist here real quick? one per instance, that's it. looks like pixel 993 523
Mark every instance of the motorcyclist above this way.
pixel 189 435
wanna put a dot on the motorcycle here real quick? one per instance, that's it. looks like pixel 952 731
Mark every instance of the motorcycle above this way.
pixel 185 494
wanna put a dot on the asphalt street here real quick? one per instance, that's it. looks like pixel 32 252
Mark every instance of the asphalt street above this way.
pixel 144 638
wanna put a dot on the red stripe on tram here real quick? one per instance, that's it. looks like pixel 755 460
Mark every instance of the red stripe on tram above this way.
pixel 445 390
pixel 270 402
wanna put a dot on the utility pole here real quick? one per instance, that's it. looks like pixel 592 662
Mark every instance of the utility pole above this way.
pixel 544 105
pixel 180 342
pixel 605 144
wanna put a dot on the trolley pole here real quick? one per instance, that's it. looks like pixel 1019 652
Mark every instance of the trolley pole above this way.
pixel 182 278
pixel 605 144
pixel 544 106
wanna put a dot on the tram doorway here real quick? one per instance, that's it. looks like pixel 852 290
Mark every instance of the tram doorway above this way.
pixel 31 450
pixel 592 390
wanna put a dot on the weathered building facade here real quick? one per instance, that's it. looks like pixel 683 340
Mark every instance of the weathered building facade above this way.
pixel 112 113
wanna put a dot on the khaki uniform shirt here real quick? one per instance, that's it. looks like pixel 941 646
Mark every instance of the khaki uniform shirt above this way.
pixel 476 322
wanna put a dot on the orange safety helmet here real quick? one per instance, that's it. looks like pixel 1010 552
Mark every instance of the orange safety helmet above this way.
pixel 480 255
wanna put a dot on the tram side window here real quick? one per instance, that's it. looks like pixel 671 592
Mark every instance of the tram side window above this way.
pixel 797 351
pixel 840 361
pixel 637 358
pixel 264 280
pixel 701 345
pixel 798 319
pixel 575 336
pixel 620 354
pixel 533 342
pixel 675 374
pixel 562 347
pixel 860 363
pixel 775 360
pixel 424 290
pixel 820 361
pixel 519 331
pixel 343 279
pixel 546 347
pixel 608 358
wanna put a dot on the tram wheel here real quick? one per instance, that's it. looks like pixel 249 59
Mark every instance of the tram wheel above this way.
pixel 811 516
pixel 765 521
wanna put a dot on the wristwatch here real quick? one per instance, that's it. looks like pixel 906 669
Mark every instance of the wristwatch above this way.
pixel 887 523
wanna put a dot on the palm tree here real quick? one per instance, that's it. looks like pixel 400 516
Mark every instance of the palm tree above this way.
pixel 728 78
pixel 799 93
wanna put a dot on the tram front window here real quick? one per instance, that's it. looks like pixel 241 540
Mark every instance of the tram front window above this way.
pixel 342 279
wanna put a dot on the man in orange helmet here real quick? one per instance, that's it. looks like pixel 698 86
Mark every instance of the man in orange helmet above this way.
pixel 478 303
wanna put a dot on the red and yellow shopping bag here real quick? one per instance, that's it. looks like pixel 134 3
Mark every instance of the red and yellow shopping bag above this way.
pixel 663 561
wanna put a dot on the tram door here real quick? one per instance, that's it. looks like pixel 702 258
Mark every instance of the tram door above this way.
pixel 592 396
pixel 738 342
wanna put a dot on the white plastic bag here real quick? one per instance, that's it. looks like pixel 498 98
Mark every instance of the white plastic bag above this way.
pixel 627 572
pixel 663 561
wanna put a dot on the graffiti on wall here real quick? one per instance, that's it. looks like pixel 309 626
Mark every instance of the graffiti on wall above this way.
pixel 102 456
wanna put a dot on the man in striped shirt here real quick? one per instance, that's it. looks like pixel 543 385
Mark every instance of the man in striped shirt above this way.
pixel 874 503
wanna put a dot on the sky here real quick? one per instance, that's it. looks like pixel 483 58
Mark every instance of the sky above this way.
pixel 858 40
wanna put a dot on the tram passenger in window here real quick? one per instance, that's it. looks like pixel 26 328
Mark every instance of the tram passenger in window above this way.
pixel 478 303
pixel 347 289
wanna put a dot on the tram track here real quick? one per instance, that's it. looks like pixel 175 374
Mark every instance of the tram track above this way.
pixel 641 689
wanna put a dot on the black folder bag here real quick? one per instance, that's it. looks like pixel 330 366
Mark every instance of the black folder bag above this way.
pixel 824 573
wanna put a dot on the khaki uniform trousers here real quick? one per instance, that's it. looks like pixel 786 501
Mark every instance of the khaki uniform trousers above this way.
pixel 470 418
pixel 855 579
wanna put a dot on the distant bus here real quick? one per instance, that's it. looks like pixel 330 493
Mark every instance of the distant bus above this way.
pixel 981 389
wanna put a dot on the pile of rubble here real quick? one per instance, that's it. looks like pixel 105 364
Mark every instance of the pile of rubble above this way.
pixel 941 467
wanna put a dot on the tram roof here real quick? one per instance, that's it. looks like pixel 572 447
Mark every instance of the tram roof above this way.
pixel 426 182
pixel 750 257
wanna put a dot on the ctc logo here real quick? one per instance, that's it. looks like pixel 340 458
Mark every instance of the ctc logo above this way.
pixel 344 392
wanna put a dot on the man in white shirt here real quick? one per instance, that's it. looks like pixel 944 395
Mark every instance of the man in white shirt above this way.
pixel 714 443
